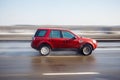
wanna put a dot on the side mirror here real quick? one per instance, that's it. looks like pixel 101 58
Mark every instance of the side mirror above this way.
pixel 74 37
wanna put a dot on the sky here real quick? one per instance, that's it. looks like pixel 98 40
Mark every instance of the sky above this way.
pixel 60 12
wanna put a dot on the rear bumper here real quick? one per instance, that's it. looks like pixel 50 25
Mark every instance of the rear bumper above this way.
pixel 33 46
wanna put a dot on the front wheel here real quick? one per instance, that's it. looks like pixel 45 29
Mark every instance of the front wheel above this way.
pixel 44 50
pixel 86 50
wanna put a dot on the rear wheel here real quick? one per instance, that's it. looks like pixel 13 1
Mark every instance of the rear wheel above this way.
pixel 86 50
pixel 44 50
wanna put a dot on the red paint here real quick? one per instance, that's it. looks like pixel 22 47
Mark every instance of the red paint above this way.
pixel 61 42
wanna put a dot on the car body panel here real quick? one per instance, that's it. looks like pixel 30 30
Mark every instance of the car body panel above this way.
pixel 75 42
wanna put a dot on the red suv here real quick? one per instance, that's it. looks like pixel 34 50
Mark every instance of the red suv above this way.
pixel 47 39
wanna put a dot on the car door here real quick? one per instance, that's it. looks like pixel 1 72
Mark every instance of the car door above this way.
pixel 70 40
pixel 56 38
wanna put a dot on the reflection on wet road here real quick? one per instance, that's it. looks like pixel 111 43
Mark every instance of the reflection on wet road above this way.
pixel 19 62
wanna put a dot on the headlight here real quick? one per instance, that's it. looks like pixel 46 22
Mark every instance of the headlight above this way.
pixel 94 41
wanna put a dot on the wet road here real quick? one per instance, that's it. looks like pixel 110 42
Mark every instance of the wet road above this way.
pixel 18 61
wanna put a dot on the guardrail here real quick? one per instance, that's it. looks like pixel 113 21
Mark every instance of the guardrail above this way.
pixel 25 32
pixel 28 36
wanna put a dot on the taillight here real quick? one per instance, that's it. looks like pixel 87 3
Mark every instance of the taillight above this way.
pixel 33 38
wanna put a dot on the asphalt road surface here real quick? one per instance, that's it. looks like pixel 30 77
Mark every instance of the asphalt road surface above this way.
pixel 18 61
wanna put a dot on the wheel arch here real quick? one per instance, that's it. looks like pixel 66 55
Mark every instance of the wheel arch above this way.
pixel 45 43
pixel 88 44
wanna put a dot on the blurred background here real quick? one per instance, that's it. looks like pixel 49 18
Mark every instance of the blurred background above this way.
pixel 98 19
pixel 25 32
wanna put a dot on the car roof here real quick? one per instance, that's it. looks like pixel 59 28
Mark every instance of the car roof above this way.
pixel 51 29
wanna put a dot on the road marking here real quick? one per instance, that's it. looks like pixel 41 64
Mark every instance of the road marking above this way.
pixel 76 73
pixel 48 74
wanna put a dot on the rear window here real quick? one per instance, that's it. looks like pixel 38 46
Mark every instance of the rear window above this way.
pixel 40 33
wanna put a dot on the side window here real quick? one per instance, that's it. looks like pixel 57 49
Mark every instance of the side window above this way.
pixel 40 33
pixel 67 34
pixel 55 34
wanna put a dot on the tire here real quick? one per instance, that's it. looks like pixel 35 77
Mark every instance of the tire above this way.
pixel 45 50
pixel 86 50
